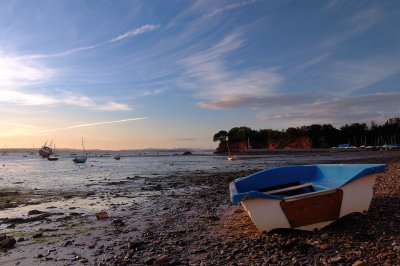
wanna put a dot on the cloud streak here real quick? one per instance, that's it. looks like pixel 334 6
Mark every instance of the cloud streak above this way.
pixel 96 124
pixel 135 32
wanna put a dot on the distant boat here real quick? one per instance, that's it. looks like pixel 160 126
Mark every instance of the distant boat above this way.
pixel 305 197
pixel 230 156
pixel 82 158
pixel 46 151
pixel 117 157
pixel 53 156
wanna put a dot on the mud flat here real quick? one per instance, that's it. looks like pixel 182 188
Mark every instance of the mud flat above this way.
pixel 188 220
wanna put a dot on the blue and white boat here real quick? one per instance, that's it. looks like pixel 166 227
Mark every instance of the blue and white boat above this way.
pixel 305 197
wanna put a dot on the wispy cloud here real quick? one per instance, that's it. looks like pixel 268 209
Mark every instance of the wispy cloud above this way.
pixel 135 32
pixel 351 75
pixel 208 75
pixel 114 106
pixel 341 32
pixel 227 8
pixel 20 97
pixel 15 72
pixel 365 107
pixel 261 102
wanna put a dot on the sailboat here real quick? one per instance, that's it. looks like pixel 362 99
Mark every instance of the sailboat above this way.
pixel 53 156
pixel 230 156
pixel 82 158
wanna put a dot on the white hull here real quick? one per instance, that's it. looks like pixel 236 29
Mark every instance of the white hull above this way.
pixel 267 214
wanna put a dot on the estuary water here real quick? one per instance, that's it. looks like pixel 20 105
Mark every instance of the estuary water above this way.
pixel 29 171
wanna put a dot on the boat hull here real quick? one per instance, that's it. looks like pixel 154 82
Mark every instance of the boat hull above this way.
pixel 45 152
pixel 81 159
pixel 312 211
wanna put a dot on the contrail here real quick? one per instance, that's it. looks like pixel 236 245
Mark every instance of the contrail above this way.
pixel 98 123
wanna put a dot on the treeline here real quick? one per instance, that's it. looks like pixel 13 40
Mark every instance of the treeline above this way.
pixel 313 136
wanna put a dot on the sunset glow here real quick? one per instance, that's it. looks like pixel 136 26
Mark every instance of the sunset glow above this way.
pixel 169 74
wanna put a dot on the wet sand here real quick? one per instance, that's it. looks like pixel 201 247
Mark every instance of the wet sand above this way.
pixel 183 221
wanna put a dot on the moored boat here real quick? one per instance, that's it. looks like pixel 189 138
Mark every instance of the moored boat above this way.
pixel 53 156
pixel 46 151
pixel 79 159
pixel 305 197
pixel 82 158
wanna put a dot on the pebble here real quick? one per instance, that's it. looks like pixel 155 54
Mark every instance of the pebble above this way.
pixel 102 215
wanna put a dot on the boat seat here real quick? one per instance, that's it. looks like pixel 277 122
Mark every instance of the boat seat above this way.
pixel 286 189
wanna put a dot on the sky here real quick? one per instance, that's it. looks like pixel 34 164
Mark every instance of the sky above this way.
pixel 171 74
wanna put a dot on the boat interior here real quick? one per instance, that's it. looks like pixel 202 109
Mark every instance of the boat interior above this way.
pixel 292 189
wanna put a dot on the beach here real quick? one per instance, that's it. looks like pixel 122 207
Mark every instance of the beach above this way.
pixel 176 220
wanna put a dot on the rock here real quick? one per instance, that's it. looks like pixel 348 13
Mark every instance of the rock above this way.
pixel 324 246
pixel 118 223
pixel 7 243
pixel 37 235
pixel 132 245
pixel 149 261
pixel 66 243
pixel 102 215
pixel 163 260
pixel 337 259
pixel 34 212
pixel 275 258
pixel 359 263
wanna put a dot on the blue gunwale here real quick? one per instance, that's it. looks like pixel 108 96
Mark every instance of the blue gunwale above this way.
pixel 322 177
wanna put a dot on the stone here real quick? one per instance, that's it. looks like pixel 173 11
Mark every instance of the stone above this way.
pixel 102 215
pixel 34 212
pixel 37 235
pixel 163 260
pixel 324 246
pixel 359 263
pixel 7 243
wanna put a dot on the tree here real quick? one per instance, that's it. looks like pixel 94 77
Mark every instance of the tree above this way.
pixel 239 133
pixel 220 136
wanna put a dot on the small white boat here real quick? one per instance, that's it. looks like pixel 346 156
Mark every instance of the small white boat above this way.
pixel 231 158
pixel 305 197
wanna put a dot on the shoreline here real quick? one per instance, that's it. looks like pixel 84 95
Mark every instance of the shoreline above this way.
pixel 185 221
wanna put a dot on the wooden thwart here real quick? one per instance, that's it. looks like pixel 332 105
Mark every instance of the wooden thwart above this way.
pixel 276 191
pixel 310 210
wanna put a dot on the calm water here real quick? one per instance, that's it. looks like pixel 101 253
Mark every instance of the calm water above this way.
pixel 29 171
